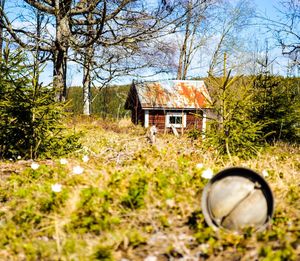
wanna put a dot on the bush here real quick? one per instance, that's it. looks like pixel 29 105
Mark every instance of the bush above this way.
pixel 30 117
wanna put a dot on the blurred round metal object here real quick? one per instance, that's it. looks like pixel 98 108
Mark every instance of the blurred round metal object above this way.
pixel 237 198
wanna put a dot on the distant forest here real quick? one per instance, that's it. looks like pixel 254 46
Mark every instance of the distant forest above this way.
pixel 107 102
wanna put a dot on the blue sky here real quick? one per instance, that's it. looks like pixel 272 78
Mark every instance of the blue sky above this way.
pixel 271 10
pixel 267 6
pixel 264 8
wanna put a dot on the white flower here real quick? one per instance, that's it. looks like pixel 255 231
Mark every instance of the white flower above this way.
pixel 77 170
pixel 63 161
pixel 265 173
pixel 56 187
pixel 10 159
pixel 199 166
pixel 170 202
pixel 34 165
pixel 19 157
pixel 150 258
pixel 204 247
pixel 85 158
pixel 207 174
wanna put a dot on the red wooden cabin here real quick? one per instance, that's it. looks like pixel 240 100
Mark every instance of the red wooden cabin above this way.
pixel 177 103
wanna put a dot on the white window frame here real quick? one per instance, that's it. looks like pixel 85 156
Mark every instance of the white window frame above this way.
pixel 146 118
pixel 176 114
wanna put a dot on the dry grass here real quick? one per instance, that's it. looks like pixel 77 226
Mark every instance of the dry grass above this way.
pixel 135 200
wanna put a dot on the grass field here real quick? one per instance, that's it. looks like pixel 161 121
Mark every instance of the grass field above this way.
pixel 129 200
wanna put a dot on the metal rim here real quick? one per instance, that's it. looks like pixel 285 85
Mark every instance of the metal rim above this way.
pixel 241 172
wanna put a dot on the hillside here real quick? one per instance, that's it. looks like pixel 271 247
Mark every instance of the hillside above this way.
pixel 129 200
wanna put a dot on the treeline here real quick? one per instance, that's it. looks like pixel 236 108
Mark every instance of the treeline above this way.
pixel 107 102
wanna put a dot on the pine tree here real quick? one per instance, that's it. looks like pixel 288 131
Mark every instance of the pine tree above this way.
pixel 277 106
pixel 30 118
pixel 233 132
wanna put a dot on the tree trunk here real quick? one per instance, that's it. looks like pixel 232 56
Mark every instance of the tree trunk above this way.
pixel 87 82
pixel 59 79
pixel 36 65
pixel 185 67
pixel 62 42
pixel 182 65
pixel 2 3
pixel 87 70
pixel 182 57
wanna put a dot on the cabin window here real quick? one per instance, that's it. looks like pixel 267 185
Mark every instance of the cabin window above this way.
pixel 176 119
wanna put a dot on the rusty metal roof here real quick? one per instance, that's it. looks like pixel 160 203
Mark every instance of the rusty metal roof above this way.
pixel 173 94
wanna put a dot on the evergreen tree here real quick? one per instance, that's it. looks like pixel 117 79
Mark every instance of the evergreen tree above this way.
pixel 277 106
pixel 233 131
pixel 30 118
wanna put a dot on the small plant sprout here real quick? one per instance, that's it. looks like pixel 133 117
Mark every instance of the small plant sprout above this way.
pixel 85 158
pixel 265 173
pixel 63 161
pixel 35 165
pixel 77 170
pixel 199 166
pixel 56 187
pixel 207 174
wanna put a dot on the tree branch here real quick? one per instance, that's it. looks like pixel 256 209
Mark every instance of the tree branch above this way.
pixel 81 7
pixel 40 6
pixel 98 34
pixel 7 25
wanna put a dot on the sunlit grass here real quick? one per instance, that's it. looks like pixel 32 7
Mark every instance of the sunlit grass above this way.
pixel 120 197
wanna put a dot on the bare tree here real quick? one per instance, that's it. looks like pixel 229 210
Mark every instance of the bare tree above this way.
pixel 193 33
pixel 87 66
pixel 40 24
pixel 229 22
pixel 112 63
pixel 114 23
pixel 287 31
pixel 132 38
